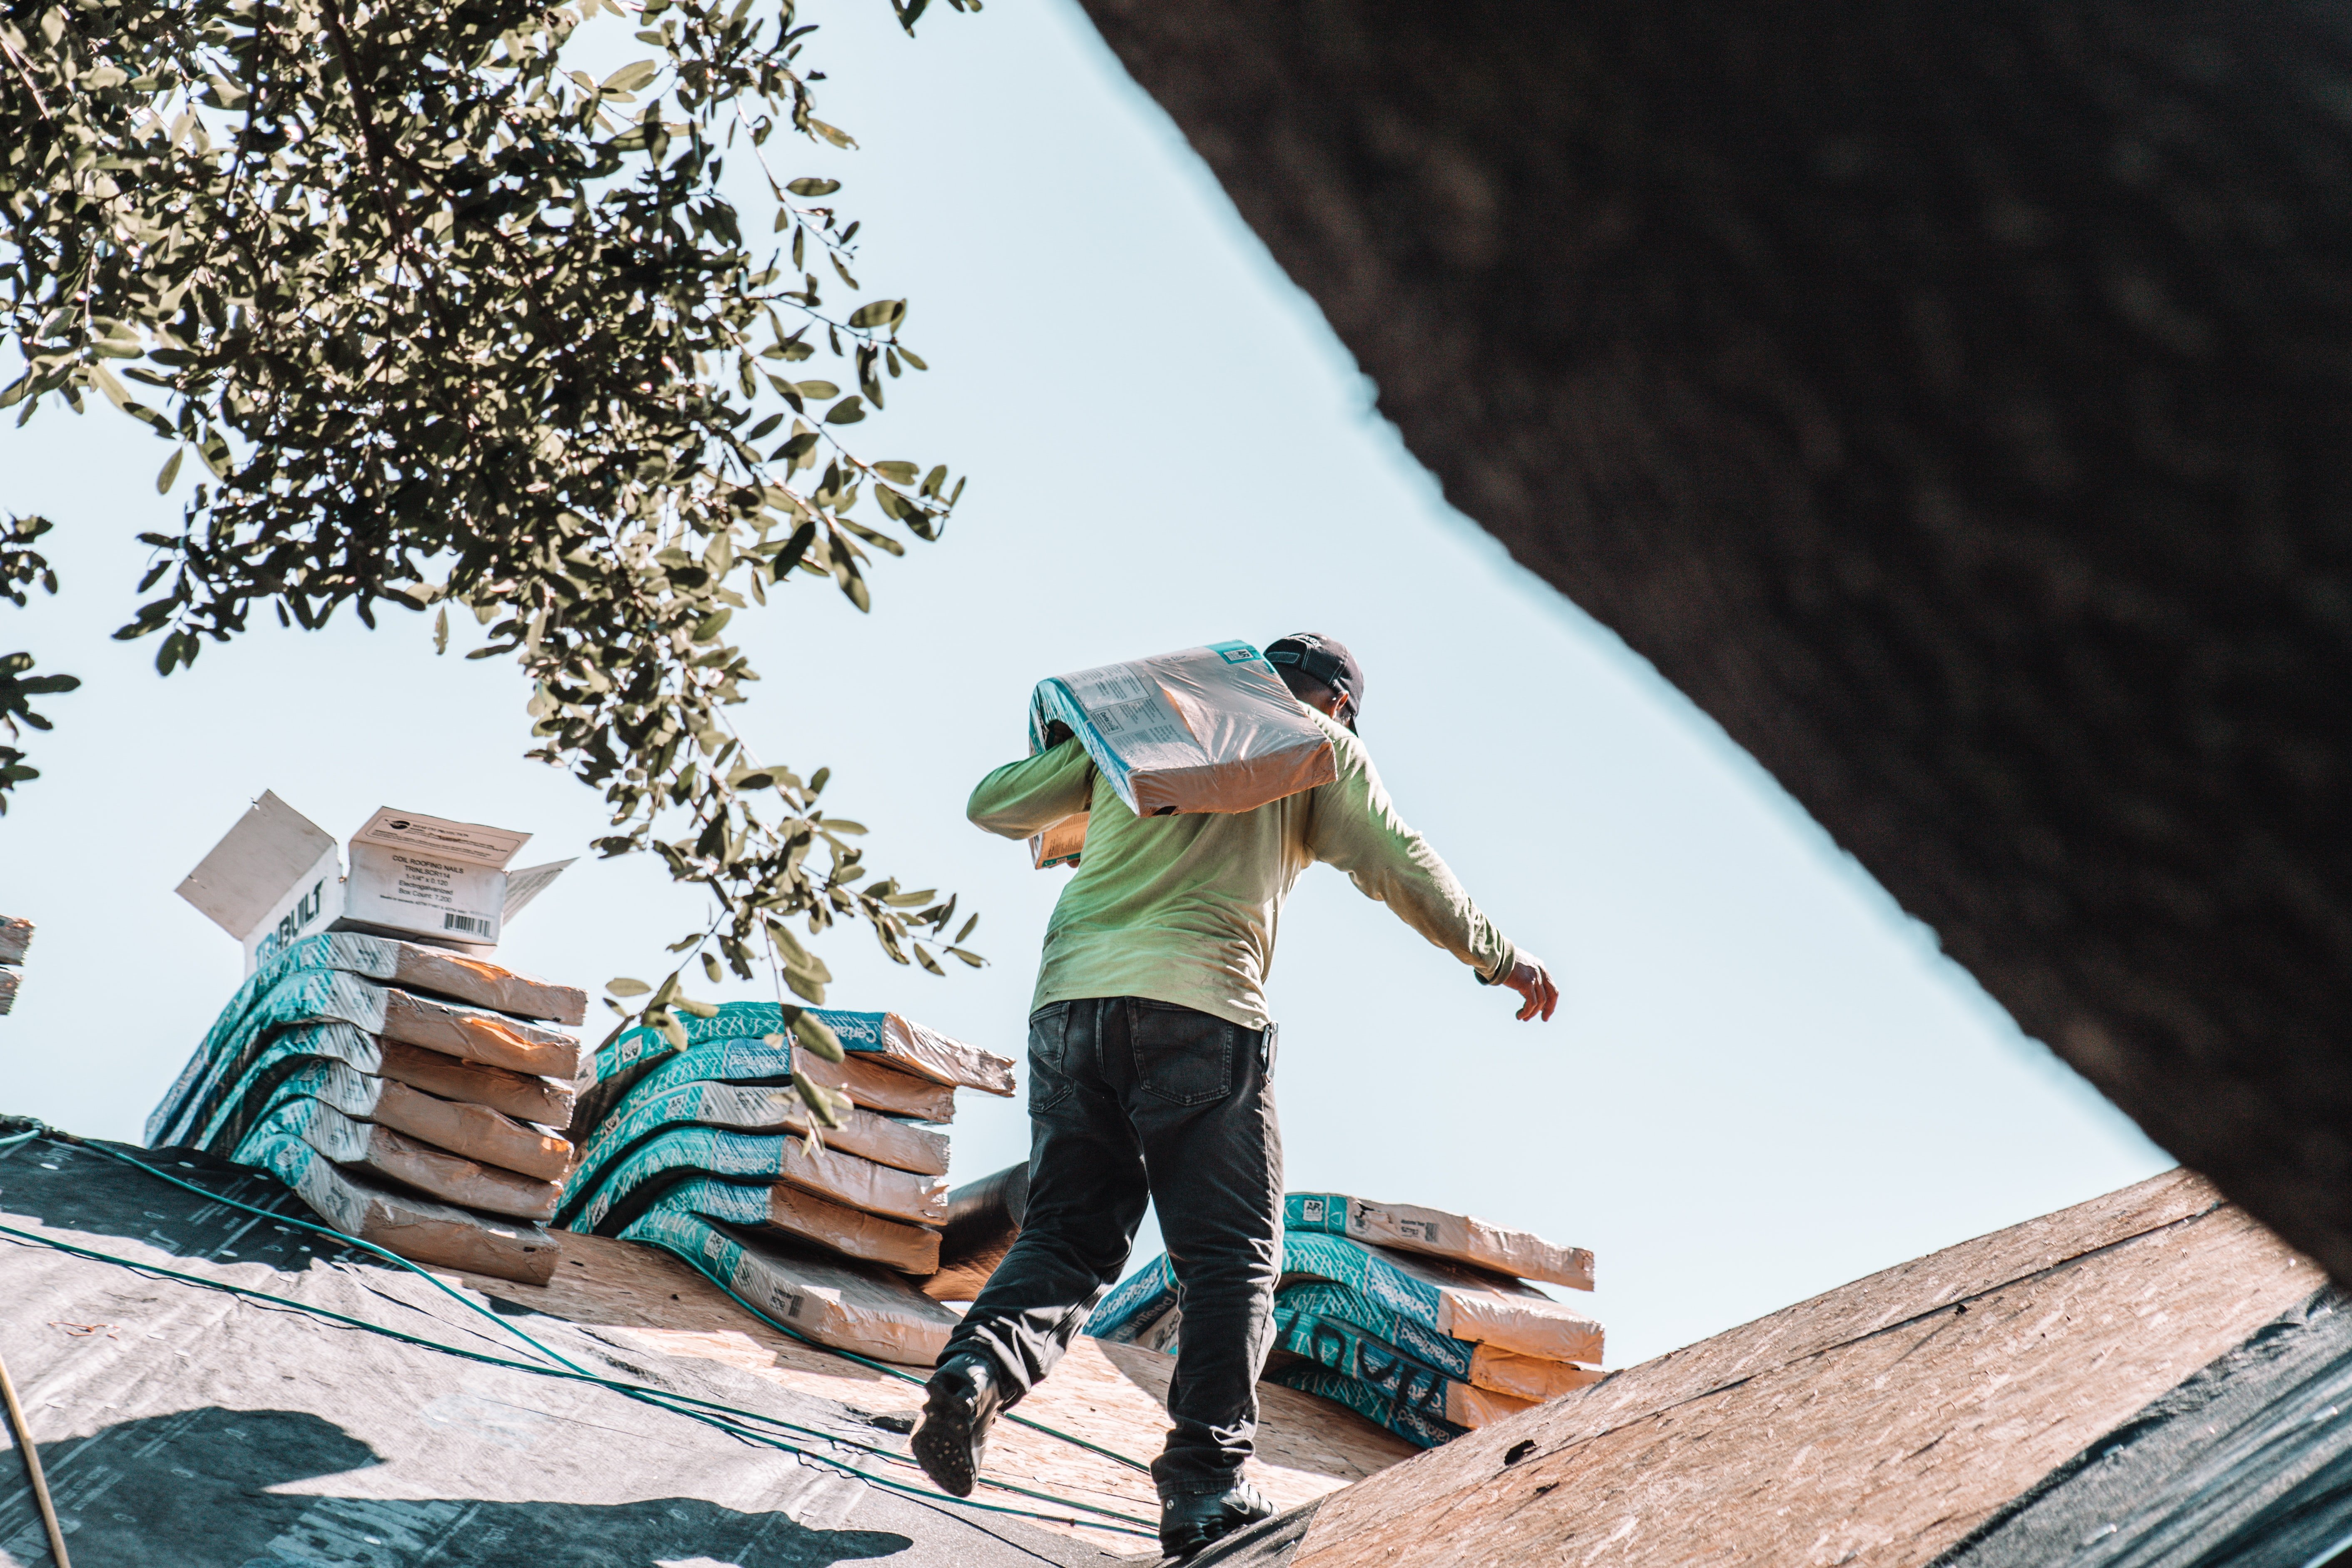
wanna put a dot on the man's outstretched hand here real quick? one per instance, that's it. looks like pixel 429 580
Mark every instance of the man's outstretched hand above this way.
pixel 1533 981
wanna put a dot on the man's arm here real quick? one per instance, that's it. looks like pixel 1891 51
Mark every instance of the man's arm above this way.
pixel 1024 799
pixel 1354 826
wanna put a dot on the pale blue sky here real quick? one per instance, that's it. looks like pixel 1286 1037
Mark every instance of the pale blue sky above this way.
pixel 1764 1080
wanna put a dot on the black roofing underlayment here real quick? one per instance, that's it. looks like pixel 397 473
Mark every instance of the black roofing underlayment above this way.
pixel 180 1425
pixel 2248 1463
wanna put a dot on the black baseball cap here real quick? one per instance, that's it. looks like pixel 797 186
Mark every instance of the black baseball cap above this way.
pixel 1323 658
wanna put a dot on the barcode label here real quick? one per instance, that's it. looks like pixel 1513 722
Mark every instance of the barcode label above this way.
pixel 1097 688
pixel 1144 720
pixel 467 923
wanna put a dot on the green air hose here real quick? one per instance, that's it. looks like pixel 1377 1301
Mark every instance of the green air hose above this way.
pixel 370 1247
pixel 570 1368
pixel 727 1418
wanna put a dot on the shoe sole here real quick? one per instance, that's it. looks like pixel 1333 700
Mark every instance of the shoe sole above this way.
pixel 943 1448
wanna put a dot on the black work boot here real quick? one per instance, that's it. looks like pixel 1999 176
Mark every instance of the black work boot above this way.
pixel 962 1400
pixel 1191 1520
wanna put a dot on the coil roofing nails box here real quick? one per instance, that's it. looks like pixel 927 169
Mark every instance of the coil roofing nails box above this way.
pixel 1201 729
pixel 278 877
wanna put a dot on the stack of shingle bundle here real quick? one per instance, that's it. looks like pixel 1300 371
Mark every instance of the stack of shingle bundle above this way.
pixel 1418 1320
pixel 15 936
pixel 411 1094
pixel 703 1149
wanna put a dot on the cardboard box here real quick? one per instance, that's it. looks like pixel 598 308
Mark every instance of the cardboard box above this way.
pixel 1203 729
pixel 278 877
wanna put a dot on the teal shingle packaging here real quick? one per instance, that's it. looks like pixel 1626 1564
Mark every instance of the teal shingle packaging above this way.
pixel 398 1221
pixel 1202 729
pixel 410 966
pixel 1421 1345
pixel 516 1095
pixel 865 1077
pixel 329 995
pixel 731 1063
pixel 1347 1350
pixel 1405 1227
pixel 1482 1366
pixel 16 937
pixel 407 1091
pixel 1451 1301
pixel 474 1131
pixel 888 1042
pixel 1412 1425
pixel 626 1187
pixel 384 1153
pixel 851 1306
pixel 748 1108
pixel 802 1217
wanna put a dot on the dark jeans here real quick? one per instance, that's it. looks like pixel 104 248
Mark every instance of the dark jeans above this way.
pixel 1132 1100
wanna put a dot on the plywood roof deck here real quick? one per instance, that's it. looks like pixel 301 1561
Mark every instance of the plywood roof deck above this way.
pixel 1111 1395
pixel 1878 1424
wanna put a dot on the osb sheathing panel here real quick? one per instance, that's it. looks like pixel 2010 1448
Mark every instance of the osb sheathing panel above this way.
pixel 1875 1425
pixel 1110 1394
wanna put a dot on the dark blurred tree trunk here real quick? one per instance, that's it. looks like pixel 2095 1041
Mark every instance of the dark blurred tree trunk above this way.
pixel 1955 399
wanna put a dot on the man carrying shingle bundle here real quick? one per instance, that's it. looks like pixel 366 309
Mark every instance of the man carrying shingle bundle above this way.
pixel 1151 1060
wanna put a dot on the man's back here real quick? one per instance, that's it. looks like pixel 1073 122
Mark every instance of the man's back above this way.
pixel 1184 908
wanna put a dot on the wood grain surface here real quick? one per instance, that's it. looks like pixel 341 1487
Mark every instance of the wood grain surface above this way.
pixel 1876 1423
pixel 1110 1394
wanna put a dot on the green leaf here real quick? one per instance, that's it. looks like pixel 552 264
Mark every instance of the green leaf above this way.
pixel 441 630
pixel 816 187
pixel 881 312
pixel 630 78
pixel 819 391
pixel 625 986
pixel 696 1009
pixel 898 473
pixel 848 411
pixel 819 1100
pixel 813 1035
pixel 171 471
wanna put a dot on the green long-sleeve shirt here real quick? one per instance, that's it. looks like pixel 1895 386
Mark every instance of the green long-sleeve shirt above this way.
pixel 1184 909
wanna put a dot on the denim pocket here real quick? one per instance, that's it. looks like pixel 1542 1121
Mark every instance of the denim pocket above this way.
pixel 1049 1078
pixel 1182 1056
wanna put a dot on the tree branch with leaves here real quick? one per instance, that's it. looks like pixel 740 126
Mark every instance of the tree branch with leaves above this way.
pixel 448 324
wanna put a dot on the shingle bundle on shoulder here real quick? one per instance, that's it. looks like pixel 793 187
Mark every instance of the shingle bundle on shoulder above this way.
pixel 702 1145
pixel 1420 1320
pixel 412 1094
